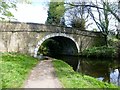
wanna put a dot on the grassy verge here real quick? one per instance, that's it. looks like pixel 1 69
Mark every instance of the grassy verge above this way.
pixel 71 79
pixel 15 69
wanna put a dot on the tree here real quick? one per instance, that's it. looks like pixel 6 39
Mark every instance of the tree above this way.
pixel 114 9
pixel 103 19
pixel 5 10
pixel 6 5
pixel 76 16
pixel 104 15
pixel 110 9
pixel 55 12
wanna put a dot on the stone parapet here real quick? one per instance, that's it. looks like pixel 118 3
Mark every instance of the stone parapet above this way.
pixel 35 27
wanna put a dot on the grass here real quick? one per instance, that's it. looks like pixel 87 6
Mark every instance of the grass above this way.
pixel 71 79
pixel 15 69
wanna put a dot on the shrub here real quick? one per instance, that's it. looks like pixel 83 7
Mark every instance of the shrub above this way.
pixel 118 50
pixel 43 50
pixel 103 51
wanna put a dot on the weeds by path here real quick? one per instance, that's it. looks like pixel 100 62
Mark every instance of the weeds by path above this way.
pixel 15 69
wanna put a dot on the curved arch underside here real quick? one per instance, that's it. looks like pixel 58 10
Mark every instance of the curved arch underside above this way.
pixel 65 45
pixel 62 45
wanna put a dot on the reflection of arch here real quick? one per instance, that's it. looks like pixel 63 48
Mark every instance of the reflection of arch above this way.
pixel 53 35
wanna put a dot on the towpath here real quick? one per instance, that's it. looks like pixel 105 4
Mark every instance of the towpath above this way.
pixel 43 76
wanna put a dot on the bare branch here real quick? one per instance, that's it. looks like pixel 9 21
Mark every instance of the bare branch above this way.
pixel 95 6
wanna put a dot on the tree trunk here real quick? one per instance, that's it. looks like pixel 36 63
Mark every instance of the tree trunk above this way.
pixel 78 66
pixel 106 40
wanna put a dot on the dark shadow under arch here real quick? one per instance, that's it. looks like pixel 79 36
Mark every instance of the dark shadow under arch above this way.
pixel 60 45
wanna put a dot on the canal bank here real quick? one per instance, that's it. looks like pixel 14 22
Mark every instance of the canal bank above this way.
pixel 71 79
pixel 99 62
pixel 104 69
pixel 17 68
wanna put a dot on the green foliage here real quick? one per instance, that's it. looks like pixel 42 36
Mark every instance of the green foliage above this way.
pixel 100 52
pixel 5 9
pixel 71 79
pixel 113 41
pixel 50 47
pixel 78 23
pixel 6 5
pixel 15 69
pixel 55 12
pixel 77 16
pixel 43 50
pixel 118 50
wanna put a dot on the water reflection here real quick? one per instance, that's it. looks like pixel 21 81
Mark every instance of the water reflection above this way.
pixel 115 77
pixel 104 70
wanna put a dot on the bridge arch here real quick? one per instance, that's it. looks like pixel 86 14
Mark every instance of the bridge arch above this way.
pixel 53 36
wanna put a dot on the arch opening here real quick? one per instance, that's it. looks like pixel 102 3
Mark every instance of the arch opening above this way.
pixel 56 45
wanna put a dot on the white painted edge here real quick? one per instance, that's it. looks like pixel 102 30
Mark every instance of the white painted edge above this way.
pixel 53 35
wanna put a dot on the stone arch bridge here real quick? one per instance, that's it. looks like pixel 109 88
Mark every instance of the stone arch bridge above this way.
pixel 28 37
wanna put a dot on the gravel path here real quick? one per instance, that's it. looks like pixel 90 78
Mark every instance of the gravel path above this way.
pixel 43 76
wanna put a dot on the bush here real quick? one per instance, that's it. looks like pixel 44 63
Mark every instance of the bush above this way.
pixel 118 50
pixel 103 51
pixel 43 50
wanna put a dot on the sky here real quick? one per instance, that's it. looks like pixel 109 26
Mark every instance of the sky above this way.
pixel 35 12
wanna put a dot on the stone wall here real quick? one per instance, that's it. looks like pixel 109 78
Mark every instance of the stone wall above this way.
pixel 27 37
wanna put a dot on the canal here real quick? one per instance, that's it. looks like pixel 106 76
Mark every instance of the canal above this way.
pixel 103 69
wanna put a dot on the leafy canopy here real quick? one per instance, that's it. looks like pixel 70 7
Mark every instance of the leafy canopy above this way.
pixel 5 7
pixel 55 12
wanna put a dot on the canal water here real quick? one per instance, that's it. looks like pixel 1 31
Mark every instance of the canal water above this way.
pixel 103 69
